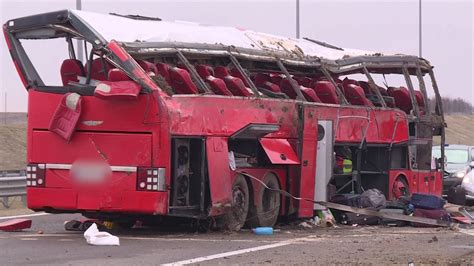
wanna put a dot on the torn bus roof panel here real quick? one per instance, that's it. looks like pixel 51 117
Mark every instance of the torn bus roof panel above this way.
pixel 128 30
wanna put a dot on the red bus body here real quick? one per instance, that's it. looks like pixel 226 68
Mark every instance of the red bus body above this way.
pixel 139 139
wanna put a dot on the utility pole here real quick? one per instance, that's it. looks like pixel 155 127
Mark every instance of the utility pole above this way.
pixel 80 48
pixel 297 18
pixel 420 28
pixel 5 113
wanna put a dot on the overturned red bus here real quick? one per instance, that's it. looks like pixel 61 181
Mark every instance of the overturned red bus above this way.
pixel 179 119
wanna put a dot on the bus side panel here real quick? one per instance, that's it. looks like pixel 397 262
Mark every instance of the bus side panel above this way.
pixel 308 162
pixel 220 181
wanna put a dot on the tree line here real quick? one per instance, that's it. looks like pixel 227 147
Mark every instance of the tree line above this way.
pixel 456 105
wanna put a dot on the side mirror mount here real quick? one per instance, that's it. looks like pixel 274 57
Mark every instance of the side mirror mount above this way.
pixel 471 165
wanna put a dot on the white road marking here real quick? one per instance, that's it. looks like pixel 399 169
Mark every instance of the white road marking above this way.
pixel 23 216
pixel 467 231
pixel 29 239
pixel 154 238
pixel 242 251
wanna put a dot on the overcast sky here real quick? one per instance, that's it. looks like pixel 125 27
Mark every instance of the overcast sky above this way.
pixel 378 25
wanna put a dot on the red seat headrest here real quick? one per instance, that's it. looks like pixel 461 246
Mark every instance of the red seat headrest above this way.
pixel 204 71
pixel 147 66
pixel 355 95
pixel 221 72
pixel 99 69
pixel 286 88
pixel 326 92
pixel 163 70
pixel 181 81
pixel 310 94
pixel 116 74
pixel 70 70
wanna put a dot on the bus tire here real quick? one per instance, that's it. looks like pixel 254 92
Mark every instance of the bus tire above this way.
pixel 266 207
pixel 234 219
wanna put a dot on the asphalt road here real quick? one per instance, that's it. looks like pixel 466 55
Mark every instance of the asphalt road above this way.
pixel 288 245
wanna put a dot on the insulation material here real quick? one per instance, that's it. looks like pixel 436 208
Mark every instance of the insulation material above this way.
pixel 96 238
pixel 125 90
pixel 67 115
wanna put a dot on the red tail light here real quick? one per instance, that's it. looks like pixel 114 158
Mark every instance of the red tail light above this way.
pixel 35 175
pixel 151 179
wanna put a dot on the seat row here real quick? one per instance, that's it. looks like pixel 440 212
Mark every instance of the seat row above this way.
pixel 230 82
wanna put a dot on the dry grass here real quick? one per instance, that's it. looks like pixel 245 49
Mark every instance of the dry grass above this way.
pixel 460 129
pixel 12 146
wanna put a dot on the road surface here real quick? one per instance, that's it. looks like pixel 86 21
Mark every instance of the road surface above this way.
pixel 289 245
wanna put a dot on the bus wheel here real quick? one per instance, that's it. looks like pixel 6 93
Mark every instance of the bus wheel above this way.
pixel 400 188
pixel 234 219
pixel 265 210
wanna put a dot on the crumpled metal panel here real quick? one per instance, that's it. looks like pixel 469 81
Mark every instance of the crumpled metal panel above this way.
pixel 279 151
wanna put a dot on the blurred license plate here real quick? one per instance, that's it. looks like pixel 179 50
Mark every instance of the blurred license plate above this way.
pixel 90 172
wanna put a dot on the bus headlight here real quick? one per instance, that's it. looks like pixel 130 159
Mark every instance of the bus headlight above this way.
pixel 459 174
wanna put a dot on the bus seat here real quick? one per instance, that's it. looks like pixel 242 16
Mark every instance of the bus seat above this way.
pixel 163 70
pixel 383 91
pixel 235 85
pixel 286 88
pixel 276 78
pixel 326 92
pixel 147 66
pixel 304 81
pixel 348 81
pixel 116 74
pixel 70 70
pixel 181 81
pixel 402 98
pixel 355 95
pixel 310 94
pixel 420 101
pixel 217 85
pixel 99 69
pixel 263 80
pixel 236 73
pixel 365 85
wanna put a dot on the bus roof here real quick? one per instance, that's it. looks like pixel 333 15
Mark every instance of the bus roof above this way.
pixel 147 34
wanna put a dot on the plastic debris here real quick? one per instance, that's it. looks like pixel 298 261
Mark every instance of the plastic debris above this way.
pixel 15 225
pixel 96 238
pixel 326 219
pixel 263 231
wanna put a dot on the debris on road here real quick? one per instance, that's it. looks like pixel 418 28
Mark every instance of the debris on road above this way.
pixel 15 225
pixel 96 238
pixel 263 231
pixel 420 210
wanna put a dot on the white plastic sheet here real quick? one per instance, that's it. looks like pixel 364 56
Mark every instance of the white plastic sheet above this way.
pixel 96 238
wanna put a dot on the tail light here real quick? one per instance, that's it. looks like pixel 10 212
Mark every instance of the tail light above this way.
pixel 35 175
pixel 151 179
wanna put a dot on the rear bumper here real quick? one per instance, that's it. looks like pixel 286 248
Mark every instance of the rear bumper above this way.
pixel 69 200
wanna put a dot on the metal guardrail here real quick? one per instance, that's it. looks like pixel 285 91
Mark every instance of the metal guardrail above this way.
pixel 12 184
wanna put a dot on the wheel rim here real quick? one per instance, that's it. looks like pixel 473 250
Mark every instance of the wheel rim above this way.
pixel 238 206
pixel 268 201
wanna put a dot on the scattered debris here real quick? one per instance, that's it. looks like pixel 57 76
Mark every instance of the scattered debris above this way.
pixel 263 231
pixel 15 225
pixel 96 238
